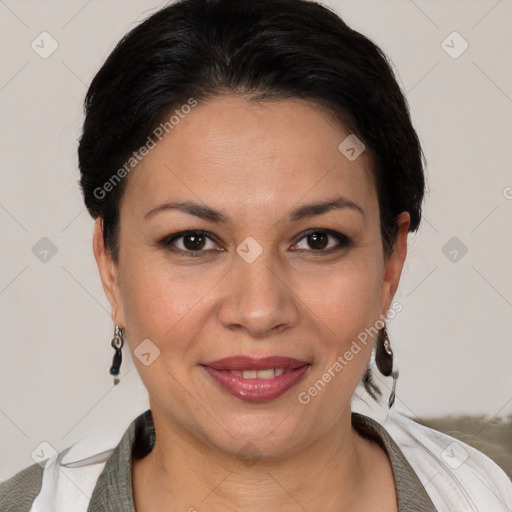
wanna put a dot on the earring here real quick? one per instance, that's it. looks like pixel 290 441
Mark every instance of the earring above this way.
pixel 384 360
pixel 117 344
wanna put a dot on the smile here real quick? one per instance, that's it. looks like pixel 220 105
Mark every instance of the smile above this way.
pixel 257 380
pixel 261 374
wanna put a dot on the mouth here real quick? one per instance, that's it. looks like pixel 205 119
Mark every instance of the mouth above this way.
pixel 257 379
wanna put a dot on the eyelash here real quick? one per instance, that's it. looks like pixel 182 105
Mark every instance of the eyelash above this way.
pixel 343 241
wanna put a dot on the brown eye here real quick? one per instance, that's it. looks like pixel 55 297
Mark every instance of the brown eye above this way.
pixel 318 241
pixel 194 242
pixel 188 243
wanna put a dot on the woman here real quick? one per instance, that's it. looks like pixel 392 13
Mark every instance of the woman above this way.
pixel 253 173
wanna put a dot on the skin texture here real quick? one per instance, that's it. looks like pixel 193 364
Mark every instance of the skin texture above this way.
pixel 255 162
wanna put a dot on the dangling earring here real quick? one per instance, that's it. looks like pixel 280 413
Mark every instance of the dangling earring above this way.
pixel 117 344
pixel 384 361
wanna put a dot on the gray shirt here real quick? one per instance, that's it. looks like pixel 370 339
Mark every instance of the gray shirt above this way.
pixel 113 490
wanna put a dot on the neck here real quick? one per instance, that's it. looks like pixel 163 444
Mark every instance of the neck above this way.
pixel 184 473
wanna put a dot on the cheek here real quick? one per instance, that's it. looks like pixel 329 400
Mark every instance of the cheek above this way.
pixel 162 302
pixel 346 299
pixel 347 309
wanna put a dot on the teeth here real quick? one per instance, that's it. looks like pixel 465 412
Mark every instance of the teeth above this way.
pixel 260 374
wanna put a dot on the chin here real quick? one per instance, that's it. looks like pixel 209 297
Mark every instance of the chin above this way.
pixel 259 434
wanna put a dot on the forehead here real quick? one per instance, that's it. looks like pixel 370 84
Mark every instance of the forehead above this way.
pixel 250 158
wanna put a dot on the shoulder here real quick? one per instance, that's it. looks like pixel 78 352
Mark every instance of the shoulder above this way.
pixel 451 470
pixel 19 492
pixel 69 479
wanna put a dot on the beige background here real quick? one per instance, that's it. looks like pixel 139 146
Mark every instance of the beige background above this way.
pixel 453 337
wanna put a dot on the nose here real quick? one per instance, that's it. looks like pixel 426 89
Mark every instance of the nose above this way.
pixel 258 301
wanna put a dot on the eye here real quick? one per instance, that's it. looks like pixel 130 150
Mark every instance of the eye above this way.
pixel 188 242
pixel 318 239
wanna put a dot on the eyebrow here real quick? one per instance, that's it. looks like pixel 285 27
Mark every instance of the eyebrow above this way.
pixel 212 215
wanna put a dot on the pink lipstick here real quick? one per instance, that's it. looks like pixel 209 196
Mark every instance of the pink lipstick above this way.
pixel 257 379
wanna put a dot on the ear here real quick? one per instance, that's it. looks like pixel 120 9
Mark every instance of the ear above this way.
pixel 395 262
pixel 109 273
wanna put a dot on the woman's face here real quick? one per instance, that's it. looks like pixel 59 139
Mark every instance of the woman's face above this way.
pixel 254 283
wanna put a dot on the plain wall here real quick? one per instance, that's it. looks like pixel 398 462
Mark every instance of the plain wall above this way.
pixel 452 340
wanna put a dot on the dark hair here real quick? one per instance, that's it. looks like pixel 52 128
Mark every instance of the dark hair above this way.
pixel 267 49
pixel 264 49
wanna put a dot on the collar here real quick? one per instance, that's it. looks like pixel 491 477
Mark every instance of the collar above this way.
pixel 113 491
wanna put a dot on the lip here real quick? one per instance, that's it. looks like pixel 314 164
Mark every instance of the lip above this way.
pixel 257 390
pixel 252 363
